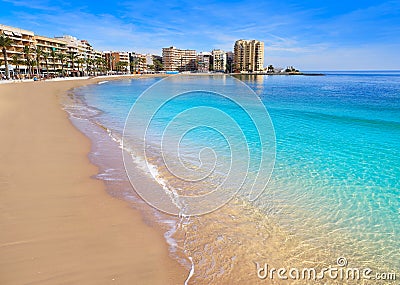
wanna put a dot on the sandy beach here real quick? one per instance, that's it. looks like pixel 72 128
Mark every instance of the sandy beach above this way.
pixel 57 224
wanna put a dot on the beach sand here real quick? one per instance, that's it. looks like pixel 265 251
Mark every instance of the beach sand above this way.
pixel 58 225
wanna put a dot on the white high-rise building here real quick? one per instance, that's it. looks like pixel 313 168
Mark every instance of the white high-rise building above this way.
pixel 248 56
pixel 219 60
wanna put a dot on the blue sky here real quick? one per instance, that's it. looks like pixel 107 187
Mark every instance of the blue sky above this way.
pixel 311 35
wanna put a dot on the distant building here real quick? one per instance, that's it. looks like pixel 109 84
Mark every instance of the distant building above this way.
pixel 85 56
pixel 20 38
pixel 149 59
pixel 203 61
pixel 229 61
pixel 138 62
pixel 117 61
pixel 248 56
pixel 219 60
pixel 50 46
pixel 22 63
pixel 178 59
pixel 89 55
pixel 157 62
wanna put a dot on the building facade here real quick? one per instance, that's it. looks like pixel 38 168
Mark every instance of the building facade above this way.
pixel 157 62
pixel 138 62
pixel 20 38
pixel 218 60
pixel 229 61
pixel 32 54
pixel 178 59
pixel 117 61
pixel 248 56
pixel 50 48
pixel 82 58
pixel 89 57
pixel 204 59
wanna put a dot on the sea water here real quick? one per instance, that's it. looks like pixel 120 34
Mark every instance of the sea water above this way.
pixel 334 190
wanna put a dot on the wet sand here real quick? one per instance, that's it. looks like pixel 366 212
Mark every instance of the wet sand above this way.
pixel 58 225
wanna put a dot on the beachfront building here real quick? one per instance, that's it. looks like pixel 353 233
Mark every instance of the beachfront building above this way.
pixel 138 62
pixel 218 60
pixel 229 61
pixel 179 59
pixel 149 59
pixel 157 62
pixel 170 57
pixel 117 61
pixel 123 62
pixel 248 56
pixel 89 57
pixel 49 62
pixel 34 54
pixel 82 58
pixel 204 61
pixel 17 62
pixel 74 51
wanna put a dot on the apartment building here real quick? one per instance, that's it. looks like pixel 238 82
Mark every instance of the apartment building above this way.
pixel 76 51
pixel 50 48
pixel 157 62
pixel 117 61
pixel 124 61
pixel 138 62
pixel 179 59
pixel 20 38
pixel 219 60
pixel 88 51
pixel 229 61
pixel 84 57
pixel 204 60
pixel 170 58
pixel 248 56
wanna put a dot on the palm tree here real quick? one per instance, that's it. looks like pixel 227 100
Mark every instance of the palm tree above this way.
pixel 16 62
pixel 99 63
pixel 32 63
pixel 89 63
pixel 53 55
pixel 123 66
pixel 103 63
pixel 27 55
pixel 80 62
pixel 39 52
pixel 143 62
pixel 134 64
pixel 118 65
pixel 62 57
pixel 5 42
pixel 72 57
pixel 112 58
pixel 46 60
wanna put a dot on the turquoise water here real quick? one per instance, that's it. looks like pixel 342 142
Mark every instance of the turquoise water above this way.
pixel 335 183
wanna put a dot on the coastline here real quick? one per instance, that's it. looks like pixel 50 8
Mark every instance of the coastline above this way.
pixel 59 225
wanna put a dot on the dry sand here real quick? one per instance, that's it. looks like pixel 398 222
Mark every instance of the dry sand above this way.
pixel 58 225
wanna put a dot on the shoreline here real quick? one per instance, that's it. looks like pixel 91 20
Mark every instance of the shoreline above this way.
pixel 59 224
pixel 279 74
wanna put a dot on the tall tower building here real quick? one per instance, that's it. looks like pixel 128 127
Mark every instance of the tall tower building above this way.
pixel 179 59
pixel 248 56
pixel 219 60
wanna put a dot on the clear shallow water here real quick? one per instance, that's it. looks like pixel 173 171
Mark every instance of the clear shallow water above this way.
pixel 334 191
